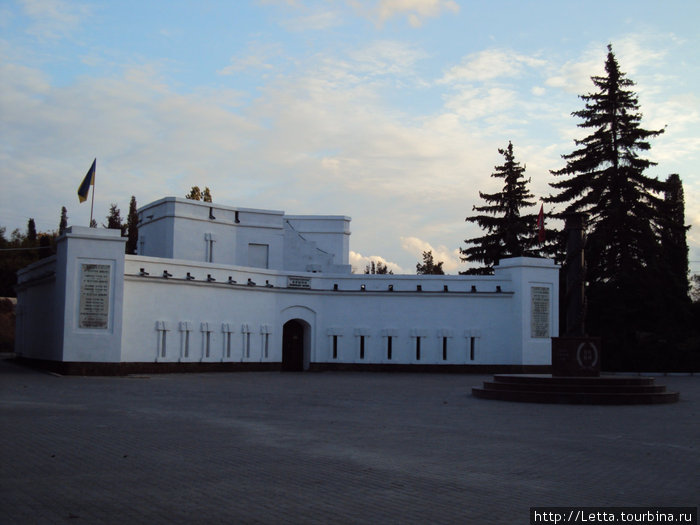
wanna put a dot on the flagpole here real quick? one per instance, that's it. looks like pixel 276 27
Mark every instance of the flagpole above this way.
pixel 92 203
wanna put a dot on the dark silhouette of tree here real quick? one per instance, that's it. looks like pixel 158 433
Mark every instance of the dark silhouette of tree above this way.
pixel 63 224
pixel 132 228
pixel 673 268
pixel 604 178
pixel 508 233
pixel 18 251
pixel 429 267
pixel 673 236
pixel 114 219
pixel 31 237
pixel 379 269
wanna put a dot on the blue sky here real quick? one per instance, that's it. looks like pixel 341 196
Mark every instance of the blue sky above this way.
pixel 388 111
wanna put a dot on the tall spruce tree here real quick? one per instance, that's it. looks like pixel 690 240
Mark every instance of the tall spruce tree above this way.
pixel 604 178
pixel 509 233
pixel 132 228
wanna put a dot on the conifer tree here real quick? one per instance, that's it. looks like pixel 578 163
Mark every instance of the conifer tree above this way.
pixel 132 228
pixel 673 265
pixel 377 269
pixel 604 178
pixel 114 219
pixel 429 267
pixel 508 233
pixel 31 233
pixel 63 224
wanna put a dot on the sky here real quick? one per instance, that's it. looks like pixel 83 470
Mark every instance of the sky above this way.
pixel 390 112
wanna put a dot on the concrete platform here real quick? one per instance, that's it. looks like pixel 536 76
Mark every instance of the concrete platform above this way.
pixel 328 447
pixel 603 390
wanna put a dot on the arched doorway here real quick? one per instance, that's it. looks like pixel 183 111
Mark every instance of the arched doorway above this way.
pixel 293 345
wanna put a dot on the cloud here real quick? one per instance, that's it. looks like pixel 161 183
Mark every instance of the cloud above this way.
pixel 415 11
pixel 490 64
pixel 257 56
pixel 450 258
pixel 52 19
pixel 325 137
pixel 315 21
pixel 359 262
pixel 386 57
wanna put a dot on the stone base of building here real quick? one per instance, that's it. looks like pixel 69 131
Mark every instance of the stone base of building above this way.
pixel 123 369
pixel 433 369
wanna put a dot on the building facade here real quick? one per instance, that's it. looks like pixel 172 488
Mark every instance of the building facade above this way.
pixel 222 288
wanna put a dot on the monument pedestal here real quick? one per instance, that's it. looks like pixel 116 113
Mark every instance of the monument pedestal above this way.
pixel 576 356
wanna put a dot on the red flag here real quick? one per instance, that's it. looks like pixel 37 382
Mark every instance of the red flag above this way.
pixel 540 225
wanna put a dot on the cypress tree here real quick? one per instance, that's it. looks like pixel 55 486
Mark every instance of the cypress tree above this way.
pixel 31 233
pixel 673 266
pixel 132 222
pixel 509 234
pixel 63 224
pixel 605 179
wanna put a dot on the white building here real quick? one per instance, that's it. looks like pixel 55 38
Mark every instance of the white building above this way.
pixel 222 288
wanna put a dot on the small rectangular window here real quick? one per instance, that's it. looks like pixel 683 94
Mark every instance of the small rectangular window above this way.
pixel 444 348
pixel 162 344
pixel 389 347
pixel 247 345
pixel 471 347
pixel 335 347
pixel 228 344
pixel 362 347
pixel 417 348
pixel 187 343
pixel 207 344
pixel 267 344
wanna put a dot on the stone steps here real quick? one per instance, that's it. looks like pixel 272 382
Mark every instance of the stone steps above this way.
pixel 606 390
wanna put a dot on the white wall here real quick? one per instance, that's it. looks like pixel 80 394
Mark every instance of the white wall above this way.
pixel 155 312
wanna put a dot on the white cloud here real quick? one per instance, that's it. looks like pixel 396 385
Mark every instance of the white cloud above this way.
pixel 415 11
pixel 359 262
pixel 449 257
pixel 490 64
pixel 315 21
pixel 257 56
pixel 324 137
pixel 54 18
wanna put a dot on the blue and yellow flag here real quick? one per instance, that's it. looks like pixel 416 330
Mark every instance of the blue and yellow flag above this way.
pixel 88 181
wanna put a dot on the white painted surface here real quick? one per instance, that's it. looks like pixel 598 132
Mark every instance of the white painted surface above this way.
pixel 175 319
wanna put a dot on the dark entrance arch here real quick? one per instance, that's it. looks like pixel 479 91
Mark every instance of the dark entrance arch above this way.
pixel 293 346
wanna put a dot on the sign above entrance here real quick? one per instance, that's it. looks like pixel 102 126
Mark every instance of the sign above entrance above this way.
pixel 299 282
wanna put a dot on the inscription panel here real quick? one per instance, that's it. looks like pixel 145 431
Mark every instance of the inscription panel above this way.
pixel 539 312
pixel 94 296
pixel 299 282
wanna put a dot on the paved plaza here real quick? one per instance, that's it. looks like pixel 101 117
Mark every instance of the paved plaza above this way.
pixel 326 447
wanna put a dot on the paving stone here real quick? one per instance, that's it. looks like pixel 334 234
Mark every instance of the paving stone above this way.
pixel 331 447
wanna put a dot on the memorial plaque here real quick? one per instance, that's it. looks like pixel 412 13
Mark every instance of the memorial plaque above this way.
pixel 575 356
pixel 94 296
pixel 299 282
pixel 539 316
